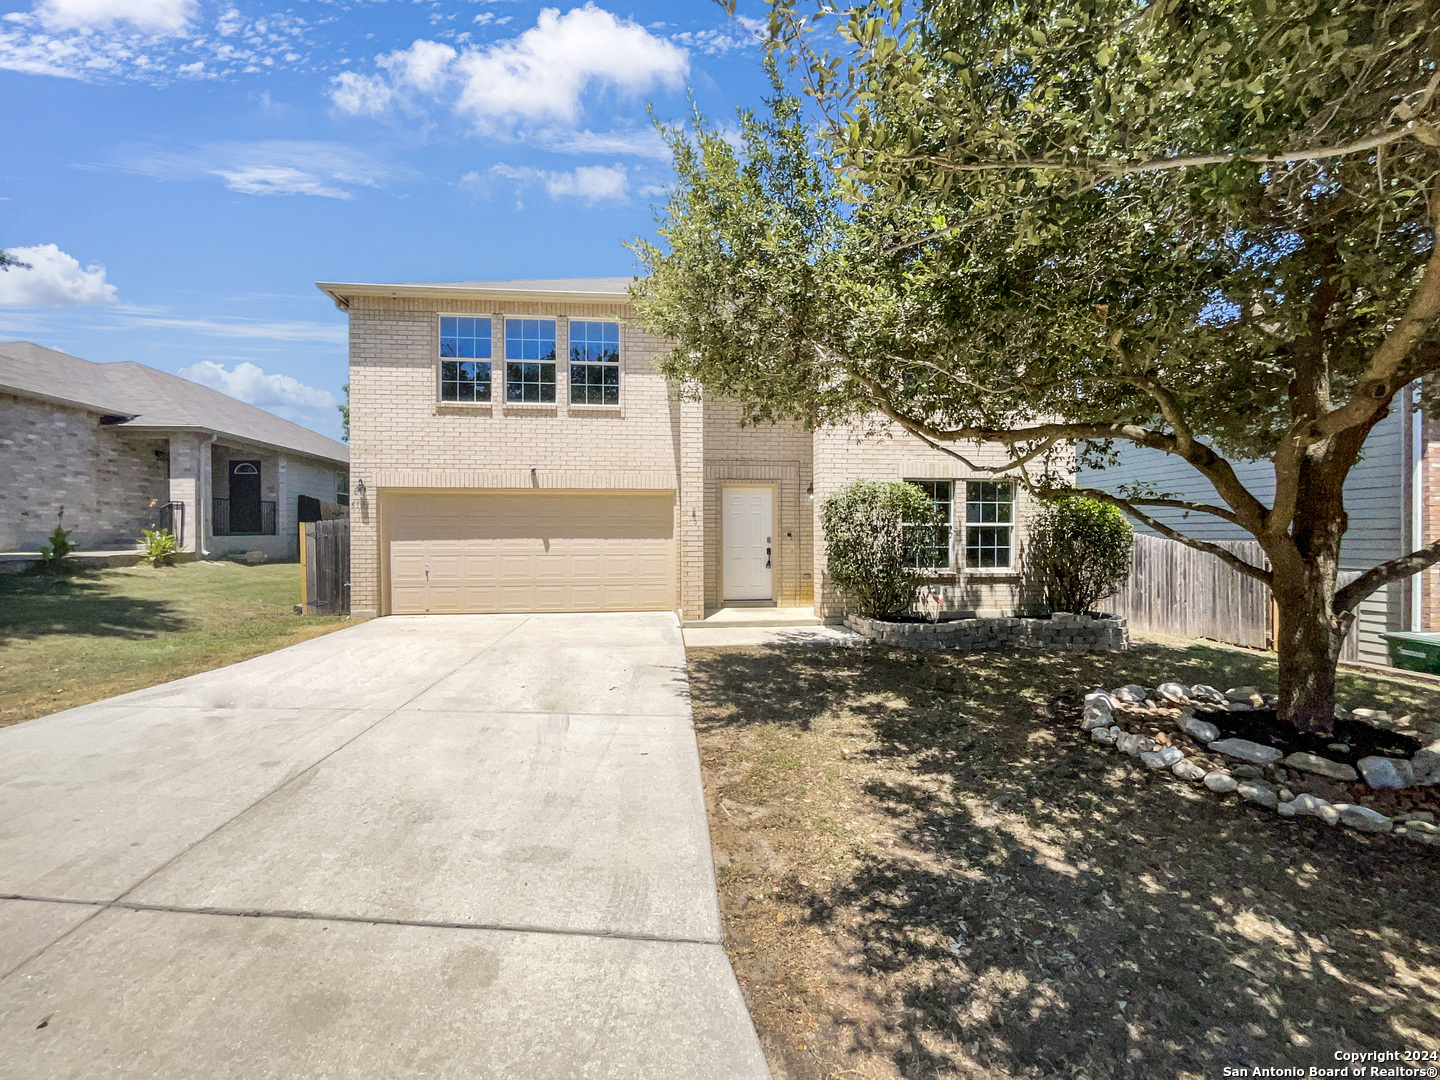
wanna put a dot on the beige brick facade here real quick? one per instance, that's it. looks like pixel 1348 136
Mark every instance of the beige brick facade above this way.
pixel 883 451
pixel 404 440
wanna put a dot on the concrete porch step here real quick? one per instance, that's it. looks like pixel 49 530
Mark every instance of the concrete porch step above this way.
pixel 756 616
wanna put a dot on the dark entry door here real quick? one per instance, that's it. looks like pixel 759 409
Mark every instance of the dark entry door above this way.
pixel 244 497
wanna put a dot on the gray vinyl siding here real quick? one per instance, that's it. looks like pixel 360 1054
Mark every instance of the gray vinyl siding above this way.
pixel 1374 499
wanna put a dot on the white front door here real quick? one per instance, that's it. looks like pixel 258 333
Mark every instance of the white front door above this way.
pixel 747 524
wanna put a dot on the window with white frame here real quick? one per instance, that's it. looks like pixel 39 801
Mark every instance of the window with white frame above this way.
pixel 989 524
pixel 941 494
pixel 594 362
pixel 530 360
pixel 464 358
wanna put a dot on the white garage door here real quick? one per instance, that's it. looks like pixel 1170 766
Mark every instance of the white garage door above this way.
pixel 541 551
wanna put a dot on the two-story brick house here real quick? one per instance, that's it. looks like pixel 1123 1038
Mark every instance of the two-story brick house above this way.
pixel 514 449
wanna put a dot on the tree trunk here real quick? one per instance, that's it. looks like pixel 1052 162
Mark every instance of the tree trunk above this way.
pixel 1308 640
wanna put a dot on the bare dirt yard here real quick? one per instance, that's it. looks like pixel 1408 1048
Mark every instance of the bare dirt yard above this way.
pixel 927 870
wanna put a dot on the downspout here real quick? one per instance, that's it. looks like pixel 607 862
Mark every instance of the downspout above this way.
pixel 1417 504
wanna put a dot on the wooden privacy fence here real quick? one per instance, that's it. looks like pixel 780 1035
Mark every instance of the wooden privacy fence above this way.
pixel 325 566
pixel 1181 592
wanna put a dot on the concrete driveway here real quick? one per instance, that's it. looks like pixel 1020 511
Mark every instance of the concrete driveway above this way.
pixel 449 846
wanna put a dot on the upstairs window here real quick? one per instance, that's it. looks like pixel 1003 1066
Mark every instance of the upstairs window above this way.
pixel 530 360
pixel 594 363
pixel 464 358
pixel 941 494
pixel 989 520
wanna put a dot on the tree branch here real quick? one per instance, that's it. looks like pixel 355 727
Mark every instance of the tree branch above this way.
pixel 1424 132
pixel 1224 555
pixel 1015 463
pixel 1377 577
pixel 1181 504
pixel 1381 378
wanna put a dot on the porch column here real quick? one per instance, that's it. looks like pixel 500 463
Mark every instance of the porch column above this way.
pixel 190 487
pixel 283 525
pixel 692 506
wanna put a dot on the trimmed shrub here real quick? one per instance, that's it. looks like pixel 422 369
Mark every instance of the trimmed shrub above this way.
pixel 875 532
pixel 1078 554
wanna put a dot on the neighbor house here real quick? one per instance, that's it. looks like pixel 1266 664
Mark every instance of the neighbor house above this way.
pixel 121 447
pixel 514 449
pixel 1385 496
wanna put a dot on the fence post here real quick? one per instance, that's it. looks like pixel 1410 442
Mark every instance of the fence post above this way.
pixel 304 572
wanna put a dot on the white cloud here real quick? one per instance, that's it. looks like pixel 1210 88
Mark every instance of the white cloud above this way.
pixel 278 180
pixel 644 142
pixel 544 76
pixel 424 66
pixel 153 16
pixel 54 279
pixel 588 183
pixel 360 95
pixel 269 167
pixel 751 32
pixel 251 384
pixel 153 41
pixel 237 328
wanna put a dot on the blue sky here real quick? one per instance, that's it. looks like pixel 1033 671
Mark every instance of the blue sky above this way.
pixel 179 173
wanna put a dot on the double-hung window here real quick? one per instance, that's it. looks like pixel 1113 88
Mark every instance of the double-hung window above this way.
pixel 594 363
pixel 936 556
pixel 530 360
pixel 989 524
pixel 464 358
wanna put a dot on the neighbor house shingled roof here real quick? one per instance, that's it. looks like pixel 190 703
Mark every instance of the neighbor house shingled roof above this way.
pixel 151 399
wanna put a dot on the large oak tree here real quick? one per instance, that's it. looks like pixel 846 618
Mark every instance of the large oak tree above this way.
pixel 1206 228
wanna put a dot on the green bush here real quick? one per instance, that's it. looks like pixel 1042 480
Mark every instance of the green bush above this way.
pixel 874 534
pixel 1078 553
pixel 159 546
pixel 55 550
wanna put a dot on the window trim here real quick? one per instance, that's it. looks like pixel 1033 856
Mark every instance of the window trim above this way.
pixel 440 399
pixel 952 569
pixel 506 362
pixel 619 366
pixel 1010 568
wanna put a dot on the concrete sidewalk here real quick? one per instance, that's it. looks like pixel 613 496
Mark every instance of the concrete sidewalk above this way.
pixel 450 846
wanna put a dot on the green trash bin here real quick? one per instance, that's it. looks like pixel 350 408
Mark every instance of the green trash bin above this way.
pixel 1415 652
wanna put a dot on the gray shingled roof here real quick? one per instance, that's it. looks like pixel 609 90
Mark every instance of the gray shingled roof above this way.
pixel 151 399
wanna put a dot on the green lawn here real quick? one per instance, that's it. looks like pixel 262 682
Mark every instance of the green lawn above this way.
pixel 69 640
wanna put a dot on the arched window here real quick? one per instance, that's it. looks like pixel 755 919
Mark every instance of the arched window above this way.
pixel 245 469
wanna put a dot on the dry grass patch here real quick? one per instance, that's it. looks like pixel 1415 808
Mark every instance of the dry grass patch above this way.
pixel 927 871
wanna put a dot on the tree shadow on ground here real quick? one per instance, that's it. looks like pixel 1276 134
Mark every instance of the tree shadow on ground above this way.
pixel 34 606
pixel 977 889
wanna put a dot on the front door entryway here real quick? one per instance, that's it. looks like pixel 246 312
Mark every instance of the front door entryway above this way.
pixel 748 521
pixel 244 497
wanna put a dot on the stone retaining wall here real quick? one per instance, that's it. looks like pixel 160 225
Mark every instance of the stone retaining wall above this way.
pixel 1077 633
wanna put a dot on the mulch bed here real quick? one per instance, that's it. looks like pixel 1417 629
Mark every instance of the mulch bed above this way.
pixel 927 870
pixel 1362 738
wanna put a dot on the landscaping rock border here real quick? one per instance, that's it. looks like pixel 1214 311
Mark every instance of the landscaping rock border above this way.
pixel 1076 633
pixel 1244 762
